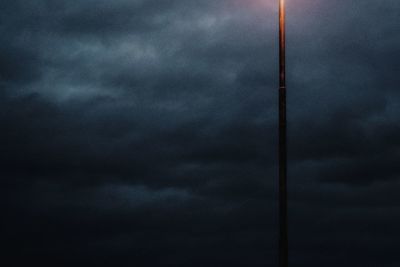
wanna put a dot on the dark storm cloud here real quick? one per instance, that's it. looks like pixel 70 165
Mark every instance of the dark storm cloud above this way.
pixel 144 132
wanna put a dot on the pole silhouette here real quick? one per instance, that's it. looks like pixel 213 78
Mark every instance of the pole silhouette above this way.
pixel 283 220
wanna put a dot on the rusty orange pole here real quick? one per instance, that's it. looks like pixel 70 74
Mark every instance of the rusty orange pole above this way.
pixel 283 218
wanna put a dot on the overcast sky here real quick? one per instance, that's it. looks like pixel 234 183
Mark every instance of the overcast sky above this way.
pixel 144 132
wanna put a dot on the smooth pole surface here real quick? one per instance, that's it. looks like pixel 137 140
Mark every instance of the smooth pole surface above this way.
pixel 283 220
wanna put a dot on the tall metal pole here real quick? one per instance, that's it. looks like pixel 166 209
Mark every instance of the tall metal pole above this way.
pixel 283 220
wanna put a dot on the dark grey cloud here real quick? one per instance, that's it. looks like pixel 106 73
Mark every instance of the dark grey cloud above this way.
pixel 144 132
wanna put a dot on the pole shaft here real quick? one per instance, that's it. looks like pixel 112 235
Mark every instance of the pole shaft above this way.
pixel 283 220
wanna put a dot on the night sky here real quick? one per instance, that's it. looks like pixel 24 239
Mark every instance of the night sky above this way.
pixel 144 132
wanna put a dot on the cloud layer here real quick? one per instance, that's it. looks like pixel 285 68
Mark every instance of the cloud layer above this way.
pixel 144 132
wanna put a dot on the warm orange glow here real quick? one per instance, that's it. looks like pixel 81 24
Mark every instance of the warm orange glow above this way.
pixel 282 14
pixel 282 6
